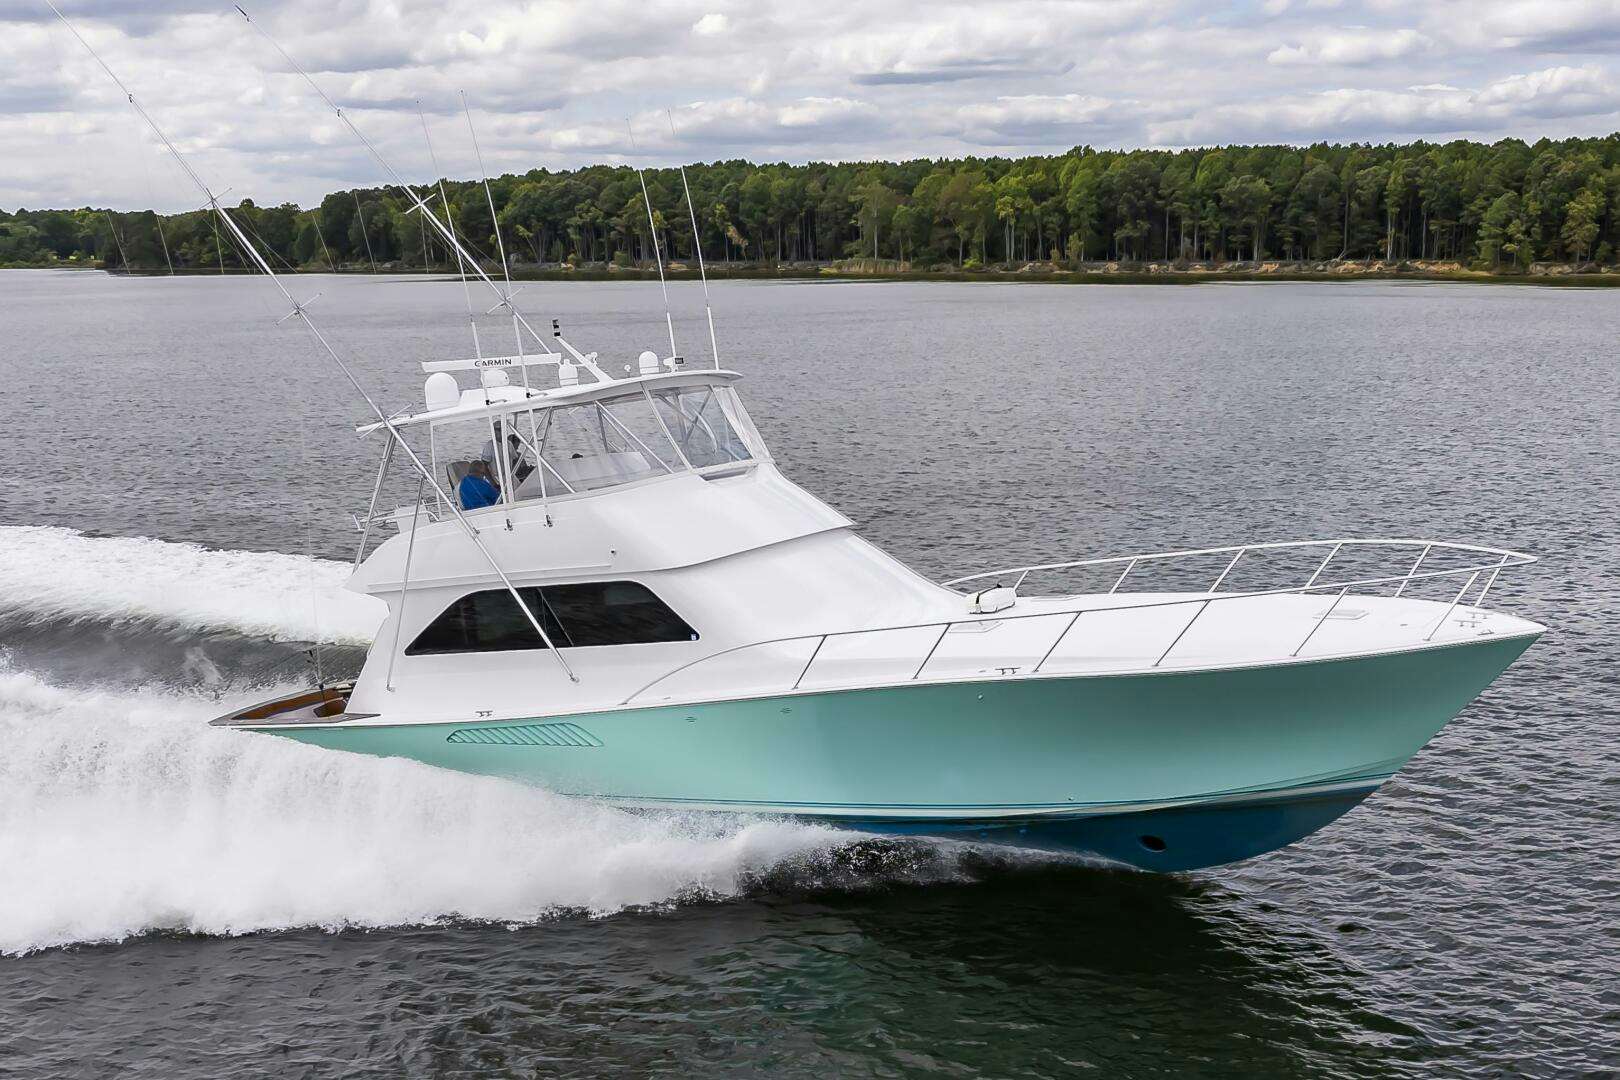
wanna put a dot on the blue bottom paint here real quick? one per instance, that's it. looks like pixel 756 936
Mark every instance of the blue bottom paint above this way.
pixel 1164 840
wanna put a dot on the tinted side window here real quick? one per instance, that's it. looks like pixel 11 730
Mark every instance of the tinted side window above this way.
pixel 592 613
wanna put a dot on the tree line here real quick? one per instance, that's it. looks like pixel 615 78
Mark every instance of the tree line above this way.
pixel 1498 206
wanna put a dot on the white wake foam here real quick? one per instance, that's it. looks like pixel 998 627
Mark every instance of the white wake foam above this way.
pixel 49 571
pixel 121 813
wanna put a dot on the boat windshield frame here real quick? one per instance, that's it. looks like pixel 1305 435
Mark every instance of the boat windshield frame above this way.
pixel 650 428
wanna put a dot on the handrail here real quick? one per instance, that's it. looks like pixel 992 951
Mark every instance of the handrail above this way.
pixel 1115 560
pixel 1507 560
pixel 382 517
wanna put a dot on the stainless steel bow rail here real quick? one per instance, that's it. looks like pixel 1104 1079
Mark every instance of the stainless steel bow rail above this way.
pixel 1484 562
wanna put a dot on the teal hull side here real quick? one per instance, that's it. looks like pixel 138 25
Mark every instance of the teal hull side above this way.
pixel 1266 755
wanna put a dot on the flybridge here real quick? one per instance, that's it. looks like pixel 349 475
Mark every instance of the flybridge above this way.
pixel 445 402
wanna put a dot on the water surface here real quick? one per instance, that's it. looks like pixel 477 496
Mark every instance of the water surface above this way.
pixel 177 901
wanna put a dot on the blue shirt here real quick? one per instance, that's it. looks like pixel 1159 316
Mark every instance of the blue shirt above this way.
pixel 475 492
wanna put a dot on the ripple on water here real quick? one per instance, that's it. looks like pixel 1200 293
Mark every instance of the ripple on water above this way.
pixel 293 913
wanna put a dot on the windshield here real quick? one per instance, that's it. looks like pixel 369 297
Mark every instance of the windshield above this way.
pixel 599 444
pixel 708 424
pixel 592 445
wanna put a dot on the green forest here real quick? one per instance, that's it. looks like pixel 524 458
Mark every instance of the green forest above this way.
pixel 1499 207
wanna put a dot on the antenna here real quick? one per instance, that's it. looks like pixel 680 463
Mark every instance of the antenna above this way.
pixel 444 201
pixel 500 244
pixel 417 203
pixel 658 258
pixel 365 234
pixel 320 234
pixel 158 218
pixel 301 312
pixel 218 247
pixel 112 229
pixel 499 444
pixel 697 242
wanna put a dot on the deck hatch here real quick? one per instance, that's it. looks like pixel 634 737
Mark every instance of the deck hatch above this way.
pixel 526 735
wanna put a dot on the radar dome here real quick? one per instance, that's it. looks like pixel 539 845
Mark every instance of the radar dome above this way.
pixel 441 391
pixel 649 362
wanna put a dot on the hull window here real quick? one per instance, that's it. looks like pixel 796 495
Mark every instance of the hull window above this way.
pixel 574 616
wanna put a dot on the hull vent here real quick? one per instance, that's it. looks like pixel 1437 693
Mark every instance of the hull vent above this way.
pixel 526 735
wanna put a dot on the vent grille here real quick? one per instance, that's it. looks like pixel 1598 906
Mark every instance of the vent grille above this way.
pixel 526 735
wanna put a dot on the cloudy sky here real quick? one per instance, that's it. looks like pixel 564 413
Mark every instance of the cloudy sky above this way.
pixel 552 82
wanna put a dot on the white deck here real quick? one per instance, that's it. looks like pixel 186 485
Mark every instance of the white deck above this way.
pixel 1091 635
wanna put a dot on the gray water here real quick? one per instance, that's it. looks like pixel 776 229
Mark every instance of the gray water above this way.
pixel 177 901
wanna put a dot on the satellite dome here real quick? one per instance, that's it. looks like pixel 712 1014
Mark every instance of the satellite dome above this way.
pixel 441 391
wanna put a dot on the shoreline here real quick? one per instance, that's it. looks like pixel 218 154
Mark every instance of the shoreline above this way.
pixel 1554 275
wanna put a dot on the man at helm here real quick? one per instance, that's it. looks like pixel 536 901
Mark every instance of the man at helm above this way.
pixel 477 489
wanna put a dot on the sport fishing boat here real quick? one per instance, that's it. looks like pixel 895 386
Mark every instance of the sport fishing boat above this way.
pixel 606 587
pixel 652 615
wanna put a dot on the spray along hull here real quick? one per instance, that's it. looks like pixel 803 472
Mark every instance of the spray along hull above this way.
pixel 1164 771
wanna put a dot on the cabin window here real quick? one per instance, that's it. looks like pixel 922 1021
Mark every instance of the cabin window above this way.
pixel 574 616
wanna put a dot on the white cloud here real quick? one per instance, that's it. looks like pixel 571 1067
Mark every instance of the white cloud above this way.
pixel 1351 45
pixel 1542 25
pixel 1562 89
pixel 711 25
pixel 1277 7
pixel 1012 121
pixel 819 112
pixel 1555 93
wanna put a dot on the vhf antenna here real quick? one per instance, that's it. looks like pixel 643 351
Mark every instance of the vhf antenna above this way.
pixel 500 244
pixel 697 243
pixel 300 311
pixel 499 444
pixel 658 258
pixel 444 201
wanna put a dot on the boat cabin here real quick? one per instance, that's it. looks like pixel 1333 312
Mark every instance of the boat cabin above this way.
pixel 596 536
